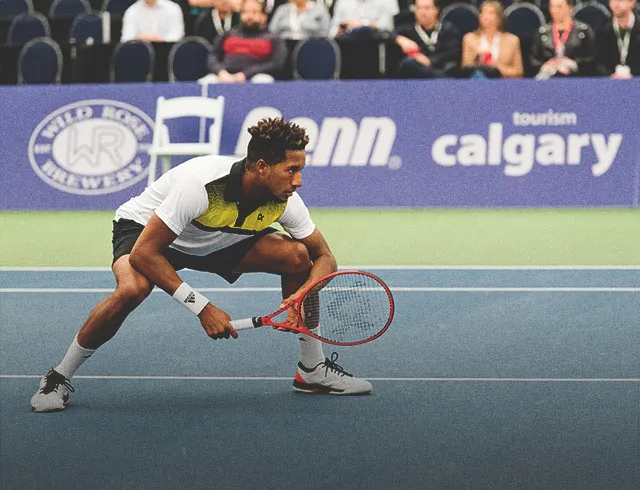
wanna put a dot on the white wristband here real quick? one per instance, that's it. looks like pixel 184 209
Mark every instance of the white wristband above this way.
pixel 190 298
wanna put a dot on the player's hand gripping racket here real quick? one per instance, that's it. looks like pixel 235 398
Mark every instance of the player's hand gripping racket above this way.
pixel 343 308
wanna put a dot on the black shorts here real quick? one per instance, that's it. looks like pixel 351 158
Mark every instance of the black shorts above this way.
pixel 222 262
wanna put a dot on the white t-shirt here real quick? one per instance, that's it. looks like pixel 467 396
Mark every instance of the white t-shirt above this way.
pixel 164 20
pixel 180 196
pixel 379 12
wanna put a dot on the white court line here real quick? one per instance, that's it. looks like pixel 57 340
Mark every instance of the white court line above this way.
pixel 377 267
pixel 395 289
pixel 277 378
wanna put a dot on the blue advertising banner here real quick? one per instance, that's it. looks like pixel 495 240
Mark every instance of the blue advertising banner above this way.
pixel 453 143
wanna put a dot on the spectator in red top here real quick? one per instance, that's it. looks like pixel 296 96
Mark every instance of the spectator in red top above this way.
pixel 248 51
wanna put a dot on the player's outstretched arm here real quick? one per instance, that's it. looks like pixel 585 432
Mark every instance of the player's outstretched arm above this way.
pixel 148 259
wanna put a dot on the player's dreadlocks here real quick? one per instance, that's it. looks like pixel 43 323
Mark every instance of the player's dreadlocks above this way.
pixel 271 137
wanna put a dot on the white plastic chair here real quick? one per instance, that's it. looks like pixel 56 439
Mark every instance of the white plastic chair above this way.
pixel 202 107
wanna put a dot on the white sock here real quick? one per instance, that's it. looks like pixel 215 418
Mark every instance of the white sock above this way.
pixel 74 358
pixel 310 351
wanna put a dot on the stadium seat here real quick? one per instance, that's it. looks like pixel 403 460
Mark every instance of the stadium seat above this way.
pixel 132 61
pixel 87 29
pixel 316 59
pixel 188 59
pixel 26 27
pixel 461 15
pixel 592 13
pixel 605 3
pixel 12 8
pixel 524 20
pixel 202 107
pixel 40 61
pixel 116 8
pixel 68 9
pixel 541 4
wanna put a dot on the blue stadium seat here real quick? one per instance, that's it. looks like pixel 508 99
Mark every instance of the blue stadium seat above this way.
pixel 12 8
pixel 116 8
pixel 26 27
pixel 316 59
pixel 40 61
pixel 524 20
pixel 461 15
pixel 542 5
pixel 68 9
pixel 86 29
pixel 592 13
pixel 188 59
pixel 132 61
pixel 605 3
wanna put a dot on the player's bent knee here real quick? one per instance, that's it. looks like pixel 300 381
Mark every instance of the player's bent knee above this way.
pixel 131 294
pixel 298 260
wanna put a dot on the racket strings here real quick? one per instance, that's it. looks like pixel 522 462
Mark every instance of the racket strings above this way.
pixel 347 308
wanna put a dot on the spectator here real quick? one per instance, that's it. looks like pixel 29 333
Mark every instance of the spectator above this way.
pixel 248 51
pixel 563 47
pixel 219 19
pixel 489 50
pixel 432 48
pixel 619 42
pixel 153 21
pixel 362 19
pixel 300 19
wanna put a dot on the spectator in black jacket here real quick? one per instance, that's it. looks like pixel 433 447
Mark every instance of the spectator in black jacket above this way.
pixel 215 20
pixel 432 48
pixel 563 47
pixel 619 42
pixel 248 51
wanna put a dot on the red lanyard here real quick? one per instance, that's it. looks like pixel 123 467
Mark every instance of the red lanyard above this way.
pixel 559 42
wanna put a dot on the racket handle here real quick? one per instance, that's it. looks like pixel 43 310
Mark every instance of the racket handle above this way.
pixel 246 323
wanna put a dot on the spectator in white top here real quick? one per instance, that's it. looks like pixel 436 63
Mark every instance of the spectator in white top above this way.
pixel 300 19
pixel 153 21
pixel 362 19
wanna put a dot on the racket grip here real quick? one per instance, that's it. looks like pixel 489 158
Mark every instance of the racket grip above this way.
pixel 246 323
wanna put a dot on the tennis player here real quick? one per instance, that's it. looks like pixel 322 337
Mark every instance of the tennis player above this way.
pixel 213 214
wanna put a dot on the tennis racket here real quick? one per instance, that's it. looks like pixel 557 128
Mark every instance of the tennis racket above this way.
pixel 343 308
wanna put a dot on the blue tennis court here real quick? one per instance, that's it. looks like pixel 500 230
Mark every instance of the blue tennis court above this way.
pixel 488 378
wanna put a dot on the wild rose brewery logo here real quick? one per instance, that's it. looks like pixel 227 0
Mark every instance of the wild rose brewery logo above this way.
pixel 92 147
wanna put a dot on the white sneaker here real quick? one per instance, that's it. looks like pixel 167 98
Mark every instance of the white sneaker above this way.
pixel 329 378
pixel 53 393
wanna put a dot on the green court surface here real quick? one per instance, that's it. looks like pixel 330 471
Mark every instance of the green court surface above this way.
pixel 371 237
